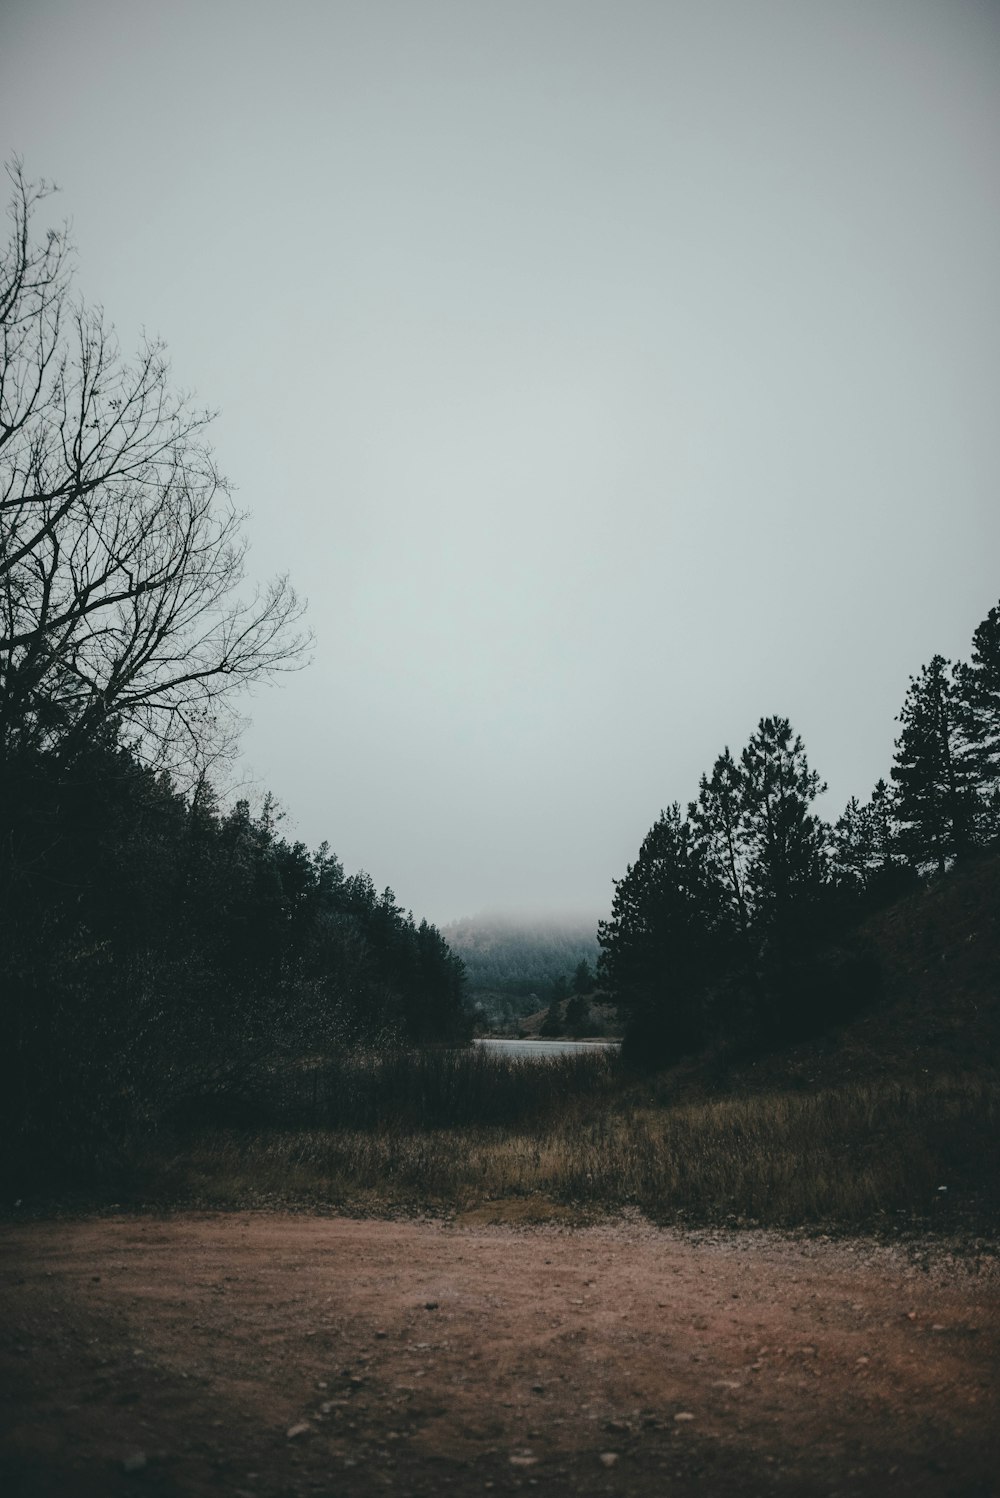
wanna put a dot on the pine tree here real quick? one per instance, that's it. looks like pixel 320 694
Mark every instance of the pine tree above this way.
pixel 583 978
pixel 719 822
pixel 934 769
pixel 978 691
pixel 981 684
pixel 578 1014
pixel 852 845
pixel 657 944
pixel 786 842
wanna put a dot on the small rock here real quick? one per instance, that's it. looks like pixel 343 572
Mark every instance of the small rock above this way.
pixel 301 1429
pixel 682 1416
pixel 609 1458
pixel 134 1462
pixel 523 1459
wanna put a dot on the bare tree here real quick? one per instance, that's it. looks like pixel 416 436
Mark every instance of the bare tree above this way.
pixel 121 553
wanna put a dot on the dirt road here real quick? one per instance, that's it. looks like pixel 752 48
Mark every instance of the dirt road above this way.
pixel 273 1355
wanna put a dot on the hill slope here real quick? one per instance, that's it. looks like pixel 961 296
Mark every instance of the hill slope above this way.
pixel 938 950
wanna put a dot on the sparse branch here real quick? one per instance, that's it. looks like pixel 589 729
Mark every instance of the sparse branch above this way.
pixel 122 558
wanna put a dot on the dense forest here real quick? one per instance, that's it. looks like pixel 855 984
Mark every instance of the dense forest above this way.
pixel 158 947
pixel 739 920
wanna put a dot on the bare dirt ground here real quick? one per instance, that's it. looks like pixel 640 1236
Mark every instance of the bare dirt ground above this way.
pixel 290 1355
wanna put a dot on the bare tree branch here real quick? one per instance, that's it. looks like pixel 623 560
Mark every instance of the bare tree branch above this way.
pixel 122 557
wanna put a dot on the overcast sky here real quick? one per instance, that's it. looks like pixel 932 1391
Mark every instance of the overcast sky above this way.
pixel 607 374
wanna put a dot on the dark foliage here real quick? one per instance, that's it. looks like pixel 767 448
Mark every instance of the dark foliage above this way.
pixel 739 923
pixel 160 955
pixel 934 772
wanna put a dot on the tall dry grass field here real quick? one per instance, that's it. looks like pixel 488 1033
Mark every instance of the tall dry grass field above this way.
pixel 466 1131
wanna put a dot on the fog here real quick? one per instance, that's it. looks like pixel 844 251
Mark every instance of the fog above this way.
pixel 605 375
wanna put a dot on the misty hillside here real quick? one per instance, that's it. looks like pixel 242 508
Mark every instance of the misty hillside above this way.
pixel 511 962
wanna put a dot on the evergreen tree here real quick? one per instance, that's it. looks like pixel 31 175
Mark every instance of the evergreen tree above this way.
pixel 866 856
pixel 786 842
pixel 978 690
pixel 981 688
pixel 559 990
pixel 852 845
pixel 934 770
pixel 718 819
pixel 578 1015
pixel 552 1024
pixel 882 836
pixel 583 978
pixel 657 946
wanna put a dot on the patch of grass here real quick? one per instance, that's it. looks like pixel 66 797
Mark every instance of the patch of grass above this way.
pixel 442 1088
pixel 477 1134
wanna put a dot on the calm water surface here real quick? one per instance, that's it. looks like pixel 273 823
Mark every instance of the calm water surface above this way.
pixel 538 1049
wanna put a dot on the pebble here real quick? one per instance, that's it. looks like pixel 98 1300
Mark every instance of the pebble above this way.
pixel 609 1458
pixel 683 1415
pixel 301 1429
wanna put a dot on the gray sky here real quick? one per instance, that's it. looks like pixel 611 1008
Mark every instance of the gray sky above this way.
pixel 607 375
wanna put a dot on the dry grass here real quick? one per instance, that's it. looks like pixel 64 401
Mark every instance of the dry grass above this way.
pixel 864 1154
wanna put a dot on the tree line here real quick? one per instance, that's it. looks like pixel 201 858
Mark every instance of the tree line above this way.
pixel 161 951
pixel 157 947
pixel 735 921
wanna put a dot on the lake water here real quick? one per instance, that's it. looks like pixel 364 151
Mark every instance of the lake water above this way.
pixel 537 1050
